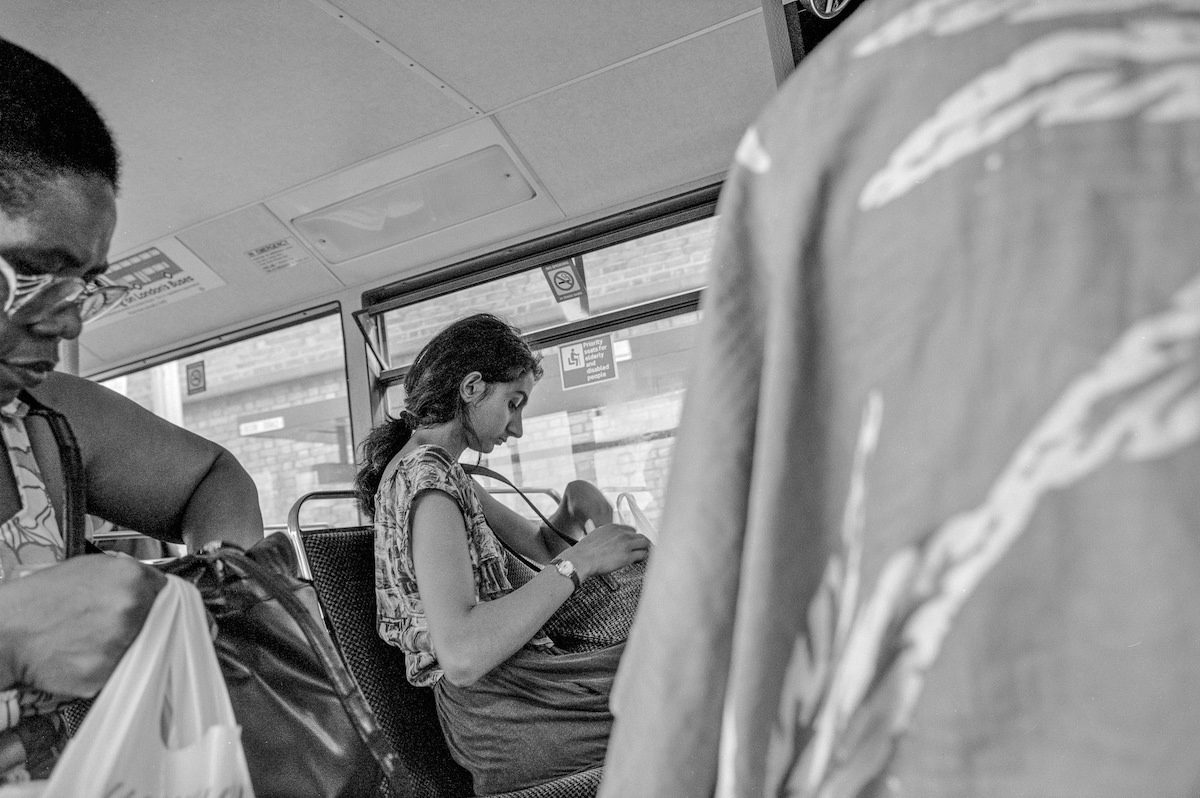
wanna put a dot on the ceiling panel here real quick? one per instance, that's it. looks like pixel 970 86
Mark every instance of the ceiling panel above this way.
pixel 417 254
pixel 658 122
pixel 219 103
pixel 249 264
pixel 499 52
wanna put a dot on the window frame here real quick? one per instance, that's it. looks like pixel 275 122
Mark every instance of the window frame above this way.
pixel 324 310
pixel 240 334
pixel 645 220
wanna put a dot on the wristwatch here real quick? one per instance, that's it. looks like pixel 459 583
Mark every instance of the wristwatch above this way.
pixel 567 569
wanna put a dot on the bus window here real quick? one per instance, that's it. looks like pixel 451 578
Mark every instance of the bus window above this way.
pixel 619 277
pixel 277 401
pixel 608 405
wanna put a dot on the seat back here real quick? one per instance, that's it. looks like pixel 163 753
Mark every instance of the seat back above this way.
pixel 342 563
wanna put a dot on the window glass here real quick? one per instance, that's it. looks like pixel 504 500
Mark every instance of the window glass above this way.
pixel 277 402
pixel 652 267
pixel 617 431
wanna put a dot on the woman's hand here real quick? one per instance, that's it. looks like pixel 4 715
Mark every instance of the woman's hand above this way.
pixel 606 549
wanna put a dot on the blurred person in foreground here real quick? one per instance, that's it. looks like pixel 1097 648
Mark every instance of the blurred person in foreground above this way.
pixel 933 527
pixel 63 627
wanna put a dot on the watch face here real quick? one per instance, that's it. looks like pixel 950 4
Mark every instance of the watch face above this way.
pixel 565 567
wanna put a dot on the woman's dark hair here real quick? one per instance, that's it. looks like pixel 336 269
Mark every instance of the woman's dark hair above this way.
pixel 483 343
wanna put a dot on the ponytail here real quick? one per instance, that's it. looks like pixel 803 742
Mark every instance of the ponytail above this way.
pixel 378 449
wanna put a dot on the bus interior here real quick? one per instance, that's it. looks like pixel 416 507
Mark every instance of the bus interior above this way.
pixel 980 586
pixel 311 188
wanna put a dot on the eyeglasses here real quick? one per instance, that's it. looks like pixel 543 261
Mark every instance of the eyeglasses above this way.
pixel 33 297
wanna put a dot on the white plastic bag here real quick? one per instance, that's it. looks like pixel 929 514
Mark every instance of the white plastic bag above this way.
pixel 163 724
pixel 632 515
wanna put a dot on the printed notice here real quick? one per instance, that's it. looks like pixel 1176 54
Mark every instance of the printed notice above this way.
pixel 565 279
pixel 157 276
pixel 196 382
pixel 587 362
pixel 270 424
pixel 278 255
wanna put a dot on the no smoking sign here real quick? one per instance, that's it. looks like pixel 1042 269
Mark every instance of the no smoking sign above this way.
pixel 196 382
pixel 565 279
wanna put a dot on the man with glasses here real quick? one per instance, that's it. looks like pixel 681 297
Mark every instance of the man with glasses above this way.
pixel 32 295
pixel 64 625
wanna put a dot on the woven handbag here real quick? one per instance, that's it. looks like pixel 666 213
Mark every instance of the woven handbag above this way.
pixel 599 613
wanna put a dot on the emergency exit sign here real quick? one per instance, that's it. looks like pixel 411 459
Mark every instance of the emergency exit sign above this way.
pixel 587 362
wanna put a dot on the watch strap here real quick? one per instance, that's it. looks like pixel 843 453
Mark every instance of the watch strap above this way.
pixel 574 574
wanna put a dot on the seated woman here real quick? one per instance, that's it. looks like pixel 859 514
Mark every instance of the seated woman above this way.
pixel 516 710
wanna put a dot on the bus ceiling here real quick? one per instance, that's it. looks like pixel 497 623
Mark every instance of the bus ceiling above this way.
pixel 280 156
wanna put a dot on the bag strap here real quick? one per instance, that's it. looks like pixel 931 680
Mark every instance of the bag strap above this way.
pixel 484 471
pixel 74 533
pixel 347 689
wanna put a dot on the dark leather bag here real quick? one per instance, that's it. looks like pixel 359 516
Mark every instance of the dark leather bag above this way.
pixel 306 728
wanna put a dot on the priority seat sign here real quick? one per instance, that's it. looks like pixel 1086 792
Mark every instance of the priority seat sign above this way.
pixel 587 362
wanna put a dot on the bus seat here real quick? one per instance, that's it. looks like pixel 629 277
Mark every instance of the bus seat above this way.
pixel 342 563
